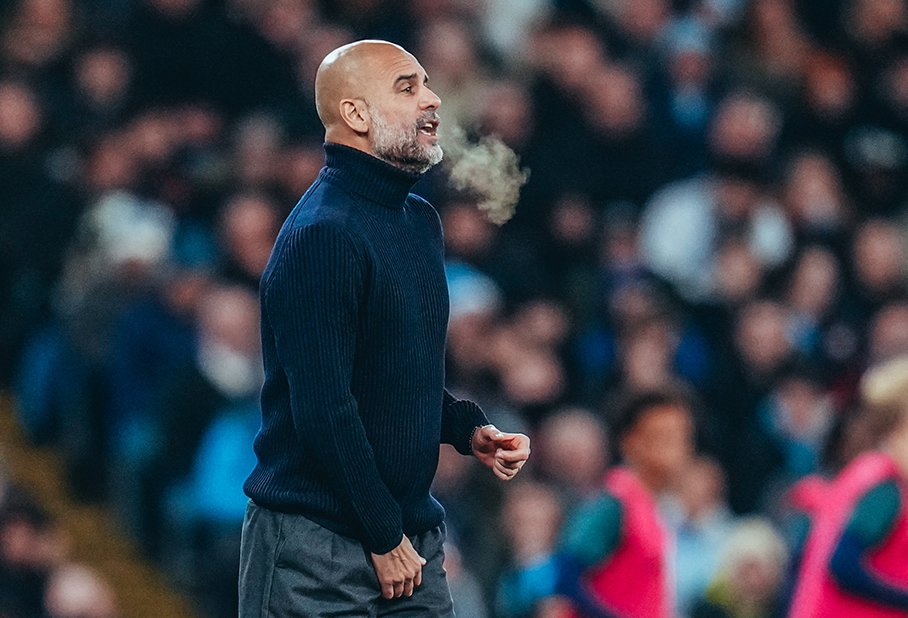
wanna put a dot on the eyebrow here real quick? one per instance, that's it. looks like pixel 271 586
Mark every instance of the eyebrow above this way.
pixel 405 78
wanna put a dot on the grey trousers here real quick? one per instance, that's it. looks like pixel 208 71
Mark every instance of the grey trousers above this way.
pixel 291 567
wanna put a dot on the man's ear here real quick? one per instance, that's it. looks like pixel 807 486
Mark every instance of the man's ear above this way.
pixel 355 115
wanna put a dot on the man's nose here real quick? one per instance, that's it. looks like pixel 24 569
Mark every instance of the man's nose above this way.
pixel 431 100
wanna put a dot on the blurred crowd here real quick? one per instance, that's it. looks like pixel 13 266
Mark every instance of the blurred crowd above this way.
pixel 37 578
pixel 717 196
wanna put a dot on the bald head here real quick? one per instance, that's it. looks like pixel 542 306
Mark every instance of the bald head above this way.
pixel 348 73
pixel 374 96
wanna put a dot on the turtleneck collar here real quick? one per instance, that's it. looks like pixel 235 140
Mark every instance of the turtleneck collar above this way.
pixel 368 176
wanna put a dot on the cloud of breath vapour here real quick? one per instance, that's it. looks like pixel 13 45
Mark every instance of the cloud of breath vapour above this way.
pixel 488 170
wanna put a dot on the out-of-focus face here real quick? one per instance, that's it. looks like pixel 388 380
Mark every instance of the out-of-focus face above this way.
pixel 757 579
pixel 888 335
pixel 829 87
pixel 531 517
pixel 643 20
pixel 661 443
pixel 574 450
pixel 248 229
pixel 403 110
pixel 448 50
pixel 873 21
pixel 648 356
pixel 814 283
pixel 761 338
pixel 813 192
pixel 745 128
pixel 231 316
pixel 20 116
pixel 74 590
pixel 103 75
pixel 508 113
pixel 738 273
pixel 615 101
pixel 879 257
pixel 701 487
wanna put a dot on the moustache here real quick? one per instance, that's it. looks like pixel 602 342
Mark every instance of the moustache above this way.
pixel 427 117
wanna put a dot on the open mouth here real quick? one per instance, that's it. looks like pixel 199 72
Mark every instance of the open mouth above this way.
pixel 429 127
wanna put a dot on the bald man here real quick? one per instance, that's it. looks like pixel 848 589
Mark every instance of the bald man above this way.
pixel 340 521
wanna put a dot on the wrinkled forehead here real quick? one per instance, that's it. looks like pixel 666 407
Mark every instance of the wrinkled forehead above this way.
pixel 388 65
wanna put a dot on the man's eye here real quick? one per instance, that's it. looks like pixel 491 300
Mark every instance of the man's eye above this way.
pixel 408 89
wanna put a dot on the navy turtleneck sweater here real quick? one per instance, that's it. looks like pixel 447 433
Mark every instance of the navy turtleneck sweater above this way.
pixel 354 320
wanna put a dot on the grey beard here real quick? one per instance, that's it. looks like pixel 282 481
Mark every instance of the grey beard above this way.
pixel 401 148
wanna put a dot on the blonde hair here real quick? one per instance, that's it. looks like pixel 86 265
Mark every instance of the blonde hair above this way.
pixel 886 384
pixel 754 538
pixel 884 394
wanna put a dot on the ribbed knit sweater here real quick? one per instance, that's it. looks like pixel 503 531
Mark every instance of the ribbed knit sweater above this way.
pixel 354 319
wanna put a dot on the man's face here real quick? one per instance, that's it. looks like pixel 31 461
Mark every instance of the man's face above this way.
pixel 403 113
pixel 661 442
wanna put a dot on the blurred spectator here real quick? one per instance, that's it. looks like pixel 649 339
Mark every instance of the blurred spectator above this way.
pixel 74 591
pixel 571 452
pixel 891 91
pixel 828 107
pixel 37 218
pixel 772 49
pixel 749 579
pixel 877 159
pixel 506 110
pixel 686 222
pixel 102 91
pixel 887 336
pixel 624 144
pixel 450 54
pixel 701 521
pixel 880 266
pixel 247 228
pixel 852 560
pixel 508 24
pixel 531 519
pixel 473 519
pixel 36 578
pixel 799 416
pixel 872 26
pixel 211 402
pixel 34 42
pixel 745 129
pixel 814 198
pixel 476 303
pixel 814 287
pixel 616 545
pixel 257 142
pixel 30 547
pixel 525 357
pixel 686 91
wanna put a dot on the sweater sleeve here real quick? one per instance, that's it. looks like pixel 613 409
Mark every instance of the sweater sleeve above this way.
pixel 869 526
pixel 312 301
pixel 459 418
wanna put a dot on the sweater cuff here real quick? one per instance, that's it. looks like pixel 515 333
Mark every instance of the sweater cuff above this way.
pixel 380 519
pixel 461 418
pixel 386 546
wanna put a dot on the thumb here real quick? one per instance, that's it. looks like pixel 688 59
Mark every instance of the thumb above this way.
pixel 503 440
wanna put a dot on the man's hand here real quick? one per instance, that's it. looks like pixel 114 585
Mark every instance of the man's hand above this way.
pixel 505 453
pixel 399 571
